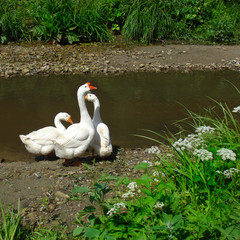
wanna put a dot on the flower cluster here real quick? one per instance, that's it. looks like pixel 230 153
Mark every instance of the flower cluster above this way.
pixel 153 150
pixel 115 209
pixel 204 129
pixel 133 188
pixel 203 154
pixel 192 141
pixel 229 172
pixel 159 205
pixel 236 109
pixel 226 154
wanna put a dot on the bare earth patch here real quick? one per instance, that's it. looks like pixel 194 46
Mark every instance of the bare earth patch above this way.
pixel 45 187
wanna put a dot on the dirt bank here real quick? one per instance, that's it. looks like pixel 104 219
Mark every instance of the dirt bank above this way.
pixel 45 187
pixel 21 60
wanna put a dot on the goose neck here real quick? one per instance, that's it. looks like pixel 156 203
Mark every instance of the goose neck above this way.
pixel 96 114
pixel 58 124
pixel 84 116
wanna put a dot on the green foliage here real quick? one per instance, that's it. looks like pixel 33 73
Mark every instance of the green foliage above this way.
pixel 58 233
pixel 70 21
pixel 182 20
pixel 10 228
pixel 190 192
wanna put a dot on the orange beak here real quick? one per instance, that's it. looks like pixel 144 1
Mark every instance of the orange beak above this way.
pixel 70 120
pixel 86 97
pixel 90 86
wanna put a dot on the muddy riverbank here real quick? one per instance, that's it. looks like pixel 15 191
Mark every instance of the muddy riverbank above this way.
pixel 44 188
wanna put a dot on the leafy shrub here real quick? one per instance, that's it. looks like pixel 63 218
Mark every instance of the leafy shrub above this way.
pixel 69 21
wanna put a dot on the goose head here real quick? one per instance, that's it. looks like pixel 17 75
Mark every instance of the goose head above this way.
pixel 85 88
pixel 65 117
pixel 91 97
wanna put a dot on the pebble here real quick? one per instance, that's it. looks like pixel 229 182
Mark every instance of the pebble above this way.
pixel 56 59
pixel 61 195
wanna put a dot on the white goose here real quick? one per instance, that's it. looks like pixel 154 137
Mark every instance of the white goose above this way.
pixel 76 139
pixel 101 142
pixel 40 142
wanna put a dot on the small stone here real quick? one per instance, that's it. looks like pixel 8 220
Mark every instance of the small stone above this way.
pixel 51 207
pixel 61 195
pixel 85 70
pixel 25 70
pixel 32 215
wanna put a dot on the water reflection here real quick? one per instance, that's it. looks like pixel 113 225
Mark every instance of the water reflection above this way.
pixel 128 102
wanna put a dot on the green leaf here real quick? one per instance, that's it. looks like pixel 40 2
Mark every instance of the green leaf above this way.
pixel 108 237
pixel 197 178
pixel 77 231
pixel 72 38
pixel 142 165
pixel 139 236
pixel 105 177
pixel 149 201
pixel 81 190
pixel 90 209
pixel 145 177
pixel 91 232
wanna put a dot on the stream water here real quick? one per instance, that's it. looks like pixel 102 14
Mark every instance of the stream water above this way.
pixel 129 102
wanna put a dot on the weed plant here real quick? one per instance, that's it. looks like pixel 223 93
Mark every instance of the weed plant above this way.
pixel 10 227
pixel 191 191
pixel 70 21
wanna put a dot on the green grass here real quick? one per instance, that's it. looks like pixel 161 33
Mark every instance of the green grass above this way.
pixel 10 227
pixel 189 192
pixel 71 21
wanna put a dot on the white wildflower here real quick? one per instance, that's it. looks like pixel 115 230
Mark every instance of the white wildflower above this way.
pixel 229 172
pixel 157 163
pixel 192 141
pixel 156 180
pixel 159 205
pixel 236 109
pixel 150 163
pixel 156 173
pixel 203 154
pixel 226 154
pixel 116 207
pixel 128 194
pixel 204 129
pixel 153 150
pixel 132 186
